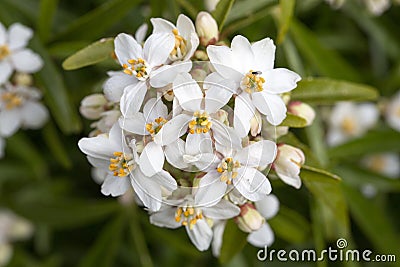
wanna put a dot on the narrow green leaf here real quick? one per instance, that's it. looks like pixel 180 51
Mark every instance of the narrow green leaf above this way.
pixel 327 62
pixel 94 23
pixel 292 55
pixel 294 121
pixel 55 145
pixel 372 142
pixel 290 225
pixel 315 137
pixel 327 91
pixel 45 20
pixel 243 9
pixel 233 242
pixel 285 18
pixel 105 248
pixel 55 93
pixel 320 173
pixel 192 11
pixel 92 54
pixel 221 12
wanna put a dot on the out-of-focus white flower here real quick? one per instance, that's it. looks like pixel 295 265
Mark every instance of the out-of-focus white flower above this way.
pixel 20 107
pixel 302 110
pixel 257 83
pixel 288 164
pixel 195 217
pixel 392 112
pixel 211 4
pixel 377 7
pixel 273 132
pixel 13 52
pixel 184 34
pixel 207 28
pixel 336 3
pixel 92 106
pixel 24 79
pixel 368 190
pixel 140 34
pixel 387 164
pixel 349 120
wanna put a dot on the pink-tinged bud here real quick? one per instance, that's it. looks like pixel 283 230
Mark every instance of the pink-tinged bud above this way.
pixel 207 28
pixel 288 163
pixel 249 219
pixel 255 124
pixel 302 110
pixel 92 106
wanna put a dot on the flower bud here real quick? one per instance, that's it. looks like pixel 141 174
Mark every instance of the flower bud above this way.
pixel 198 74
pixel 92 106
pixel 201 55
pixel 222 116
pixel 288 163
pixel 255 124
pixel 206 28
pixel 23 79
pixel 249 219
pixel 302 110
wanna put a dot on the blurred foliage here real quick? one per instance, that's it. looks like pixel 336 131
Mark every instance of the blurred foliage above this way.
pixel 46 179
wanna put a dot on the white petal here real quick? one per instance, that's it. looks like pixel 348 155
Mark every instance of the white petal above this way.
pixel 19 36
pixel 198 144
pixel 268 206
pixel 280 80
pixel 211 190
pixel 101 164
pixel 200 235
pixel 26 61
pixel 185 26
pixel 161 25
pixel 174 154
pixel 141 32
pixel 292 180
pixel 172 130
pixel 242 54
pixel 252 184
pixel 5 71
pixel 98 147
pixel 222 211
pixel 132 99
pixel 165 179
pixel 335 137
pixel 152 159
pixel 188 92
pixel 126 47
pixel 218 230
pixel 3 34
pixel 193 43
pixel 114 86
pixel 218 94
pixel 207 161
pixel 257 154
pixel 166 74
pixel 33 115
pixel 368 115
pixel 270 105
pixel 115 186
pixel 157 48
pixel 10 121
pixel 147 190
pixel 135 124
pixel 221 57
pixel 264 51
pixel 244 111
pixel 6 252
pixel 153 109
pixel 262 237
pixel 225 136
pixel 165 217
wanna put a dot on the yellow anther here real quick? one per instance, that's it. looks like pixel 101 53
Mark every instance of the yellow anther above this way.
pixel 186 213
pixel 4 51
pixel 191 211
pixel 180 48
pixel 154 127
pixel 177 218
pixel 219 169
pixel 175 31
pixel 252 82
pixel 118 154
pixel 348 126
pixel 129 72
pixel 12 100
pixel 184 223
pixel 121 165
pixel 200 123
pixel 228 170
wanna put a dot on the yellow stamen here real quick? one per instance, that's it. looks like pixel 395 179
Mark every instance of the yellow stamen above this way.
pixel 12 100
pixel 4 51
pixel 252 82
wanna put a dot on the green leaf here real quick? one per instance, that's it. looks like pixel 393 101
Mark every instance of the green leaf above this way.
pixel 192 11
pixel 55 92
pixel 233 242
pixel 45 20
pixel 104 250
pixel 94 23
pixel 294 121
pixel 372 142
pixel 221 12
pixel 243 9
pixel 327 62
pixel 285 18
pixel 55 145
pixel 373 221
pixel 315 137
pixel 92 54
pixel 327 91
pixel 290 225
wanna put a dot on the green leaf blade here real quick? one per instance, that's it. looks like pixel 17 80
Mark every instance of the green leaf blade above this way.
pixel 221 12
pixel 294 121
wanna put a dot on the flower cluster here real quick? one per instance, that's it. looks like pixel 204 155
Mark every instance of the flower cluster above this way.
pixel 19 100
pixel 195 140
pixel 375 7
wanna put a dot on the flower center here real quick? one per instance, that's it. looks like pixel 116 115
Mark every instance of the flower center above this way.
pixel 122 164
pixel 378 164
pixel 397 112
pixel 154 127
pixel 11 100
pixel 200 123
pixel 4 51
pixel 252 82
pixel 188 215
pixel 137 67
pixel 348 125
pixel 180 47
pixel 228 169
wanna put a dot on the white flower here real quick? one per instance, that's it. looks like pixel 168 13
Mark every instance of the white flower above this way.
pixel 258 84
pixel 377 7
pixel 288 163
pixel 121 161
pixel 184 34
pixel 387 164
pixel 92 106
pixel 107 120
pixel 239 168
pixel 13 52
pixel 349 120
pixel 20 107
pixel 207 28
pixel 196 218
pixel 392 112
